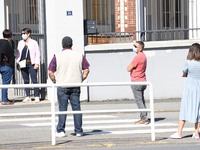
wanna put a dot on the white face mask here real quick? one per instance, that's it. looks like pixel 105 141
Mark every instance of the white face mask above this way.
pixel 24 36
pixel 134 49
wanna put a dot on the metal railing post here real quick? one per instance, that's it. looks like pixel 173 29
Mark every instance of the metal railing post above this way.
pixel 53 116
pixel 152 112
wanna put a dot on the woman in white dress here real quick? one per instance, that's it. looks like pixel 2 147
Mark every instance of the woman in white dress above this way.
pixel 190 103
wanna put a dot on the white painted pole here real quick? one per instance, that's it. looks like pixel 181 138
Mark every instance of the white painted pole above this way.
pixel 2 17
pixel 53 116
pixel 152 112
pixel 7 17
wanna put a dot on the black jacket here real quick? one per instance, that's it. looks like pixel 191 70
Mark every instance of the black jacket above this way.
pixel 7 50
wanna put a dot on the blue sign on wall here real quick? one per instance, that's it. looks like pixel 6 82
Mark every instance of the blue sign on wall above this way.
pixel 69 13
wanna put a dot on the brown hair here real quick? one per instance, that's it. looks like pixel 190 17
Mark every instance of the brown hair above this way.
pixel 141 44
pixel 7 33
pixel 194 52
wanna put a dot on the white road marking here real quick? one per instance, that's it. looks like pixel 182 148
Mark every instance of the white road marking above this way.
pixel 96 123
pixel 49 118
pixel 84 122
pixel 93 124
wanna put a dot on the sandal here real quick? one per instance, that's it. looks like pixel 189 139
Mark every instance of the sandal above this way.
pixel 7 102
pixel 11 102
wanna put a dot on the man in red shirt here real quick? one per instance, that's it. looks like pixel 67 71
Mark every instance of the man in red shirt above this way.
pixel 137 70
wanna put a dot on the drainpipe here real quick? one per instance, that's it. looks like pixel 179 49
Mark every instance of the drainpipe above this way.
pixel 142 25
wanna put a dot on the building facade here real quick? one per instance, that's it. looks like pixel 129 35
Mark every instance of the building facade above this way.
pixel 168 28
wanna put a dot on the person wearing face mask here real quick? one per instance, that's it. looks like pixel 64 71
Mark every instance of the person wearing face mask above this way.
pixel 137 69
pixel 29 49
pixel 7 60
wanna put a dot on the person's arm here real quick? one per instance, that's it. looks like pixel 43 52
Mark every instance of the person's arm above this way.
pixel 52 76
pixel 85 67
pixel 6 51
pixel 185 70
pixel 5 58
pixel 184 74
pixel 52 69
pixel 130 68
pixel 36 66
pixel 37 56
pixel 133 64
pixel 85 74
pixel 20 46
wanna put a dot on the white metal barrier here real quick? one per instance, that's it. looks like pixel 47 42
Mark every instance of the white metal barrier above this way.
pixel 53 113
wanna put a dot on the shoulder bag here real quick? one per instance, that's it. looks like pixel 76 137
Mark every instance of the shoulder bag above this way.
pixel 22 64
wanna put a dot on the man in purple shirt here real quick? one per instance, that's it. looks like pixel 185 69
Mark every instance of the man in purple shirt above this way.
pixel 70 67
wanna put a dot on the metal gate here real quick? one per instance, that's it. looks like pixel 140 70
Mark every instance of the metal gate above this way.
pixel 28 14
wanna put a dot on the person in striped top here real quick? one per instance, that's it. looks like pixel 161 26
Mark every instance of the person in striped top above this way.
pixel 190 103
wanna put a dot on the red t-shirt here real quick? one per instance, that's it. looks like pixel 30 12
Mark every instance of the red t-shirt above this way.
pixel 139 63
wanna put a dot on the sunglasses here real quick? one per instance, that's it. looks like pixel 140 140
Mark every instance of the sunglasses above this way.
pixel 135 46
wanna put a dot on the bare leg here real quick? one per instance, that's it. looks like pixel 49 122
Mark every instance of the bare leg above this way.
pixel 197 127
pixel 181 125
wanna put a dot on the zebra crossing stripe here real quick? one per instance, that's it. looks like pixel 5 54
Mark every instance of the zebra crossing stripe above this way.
pixel 49 118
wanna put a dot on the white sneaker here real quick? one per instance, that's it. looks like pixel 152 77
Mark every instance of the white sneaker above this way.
pixel 60 134
pixel 195 135
pixel 176 136
pixel 27 99
pixel 37 100
pixel 79 134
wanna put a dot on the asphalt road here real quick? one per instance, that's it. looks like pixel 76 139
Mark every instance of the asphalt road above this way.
pixel 158 147
pixel 101 131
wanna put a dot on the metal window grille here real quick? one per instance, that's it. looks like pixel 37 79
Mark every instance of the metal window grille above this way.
pixel 122 21
pixel 28 14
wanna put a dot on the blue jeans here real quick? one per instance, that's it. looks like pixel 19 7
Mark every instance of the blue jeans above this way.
pixel 6 73
pixel 33 73
pixel 73 94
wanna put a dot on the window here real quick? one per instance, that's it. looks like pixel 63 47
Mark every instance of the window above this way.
pixel 171 13
pixel 178 13
pixel 32 15
pixel 100 11
pixel 166 13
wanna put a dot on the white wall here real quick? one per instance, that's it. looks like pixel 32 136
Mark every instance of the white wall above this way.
pixel 2 18
pixel 60 25
pixel 164 65
pixel 194 21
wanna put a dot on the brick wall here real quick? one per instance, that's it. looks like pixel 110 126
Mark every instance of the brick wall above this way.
pixel 129 14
